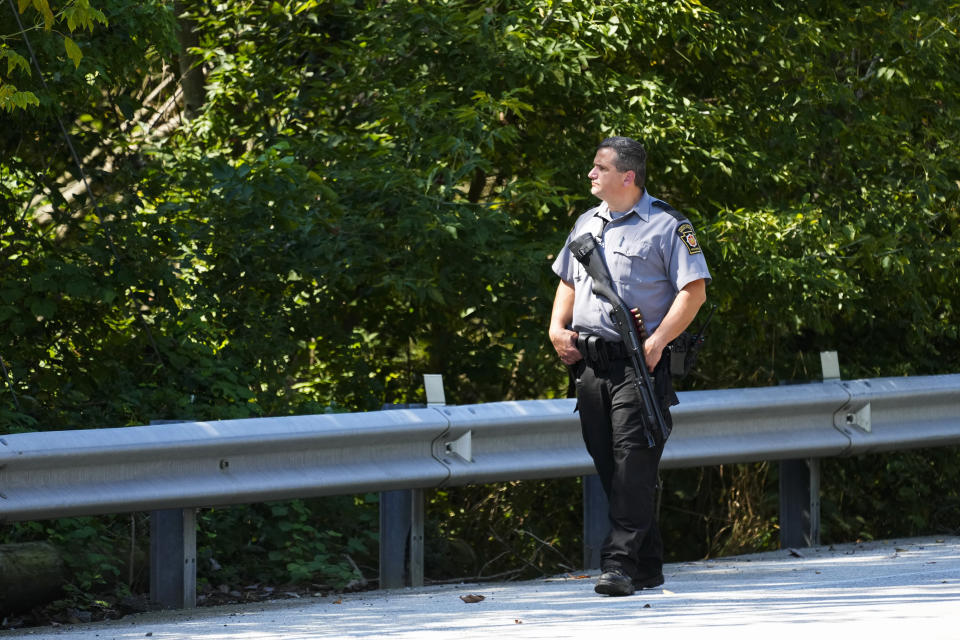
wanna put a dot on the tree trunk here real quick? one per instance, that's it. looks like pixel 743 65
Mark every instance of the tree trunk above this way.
pixel 31 574
pixel 191 75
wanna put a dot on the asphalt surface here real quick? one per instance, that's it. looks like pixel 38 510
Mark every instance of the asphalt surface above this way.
pixel 908 589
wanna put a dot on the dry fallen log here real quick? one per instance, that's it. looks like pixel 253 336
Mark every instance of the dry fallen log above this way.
pixel 31 574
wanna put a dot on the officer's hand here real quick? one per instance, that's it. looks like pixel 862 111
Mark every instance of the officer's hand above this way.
pixel 565 342
pixel 652 352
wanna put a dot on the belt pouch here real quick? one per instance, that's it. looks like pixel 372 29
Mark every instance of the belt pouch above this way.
pixel 598 353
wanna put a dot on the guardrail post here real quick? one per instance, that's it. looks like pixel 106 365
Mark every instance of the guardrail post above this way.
pixel 396 524
pixel 416 537
pixel 401 519
pixel 173 558
pixel 173 554
pixel 800 484
pixel 800 503
pixel 401 538
pixel 596 520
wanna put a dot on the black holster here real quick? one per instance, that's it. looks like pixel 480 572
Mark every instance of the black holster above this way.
pixel 595 351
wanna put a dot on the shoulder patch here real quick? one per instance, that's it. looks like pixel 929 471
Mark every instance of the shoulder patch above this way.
pixel 689 238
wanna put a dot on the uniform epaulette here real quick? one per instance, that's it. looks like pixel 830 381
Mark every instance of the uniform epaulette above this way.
pixel 676 214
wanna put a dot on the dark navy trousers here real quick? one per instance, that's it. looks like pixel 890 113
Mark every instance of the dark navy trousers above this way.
pixel 626 452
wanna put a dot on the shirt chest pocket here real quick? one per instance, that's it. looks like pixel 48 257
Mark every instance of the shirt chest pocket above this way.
pixel 634 263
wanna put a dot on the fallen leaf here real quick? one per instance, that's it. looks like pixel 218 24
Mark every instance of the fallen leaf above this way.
pixel 795 553
pixel 338 601
pixel 518 622
pixel 646 606
pixel 471 598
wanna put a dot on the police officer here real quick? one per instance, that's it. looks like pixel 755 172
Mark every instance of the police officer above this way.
pixel 658 268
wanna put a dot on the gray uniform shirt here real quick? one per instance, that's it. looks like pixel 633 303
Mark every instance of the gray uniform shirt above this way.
pixel 652 254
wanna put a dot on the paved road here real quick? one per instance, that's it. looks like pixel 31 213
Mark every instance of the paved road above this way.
pixel 909 590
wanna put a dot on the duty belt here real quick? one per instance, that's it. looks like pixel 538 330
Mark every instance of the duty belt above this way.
pixel 598 352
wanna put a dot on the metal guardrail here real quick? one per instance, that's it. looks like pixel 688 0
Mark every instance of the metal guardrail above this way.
pixel 192 464
pixel 171 468
pixel 95 471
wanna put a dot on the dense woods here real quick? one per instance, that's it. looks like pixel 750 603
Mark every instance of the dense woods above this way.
pixel 297 206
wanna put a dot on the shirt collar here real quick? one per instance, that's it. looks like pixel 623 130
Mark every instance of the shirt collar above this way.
pixel 642 209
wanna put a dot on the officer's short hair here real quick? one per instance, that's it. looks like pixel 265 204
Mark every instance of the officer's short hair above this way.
pixel 631 156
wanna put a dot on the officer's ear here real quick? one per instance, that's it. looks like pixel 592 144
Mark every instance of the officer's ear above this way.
pixel 628 178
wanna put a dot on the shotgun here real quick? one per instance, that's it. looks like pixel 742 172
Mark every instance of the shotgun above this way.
pixel 584 250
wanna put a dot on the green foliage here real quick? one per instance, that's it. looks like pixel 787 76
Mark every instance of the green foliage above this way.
pixel 342 165
pixel 850 196
pixel 289 542
pixel 75 14
pixel 104 556
pixel 507 531
pixel 719 511
pixel 901 494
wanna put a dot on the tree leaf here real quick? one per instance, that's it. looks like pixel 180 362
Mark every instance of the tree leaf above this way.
pixel 73 51
pixel 14 60
pixel 43 7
